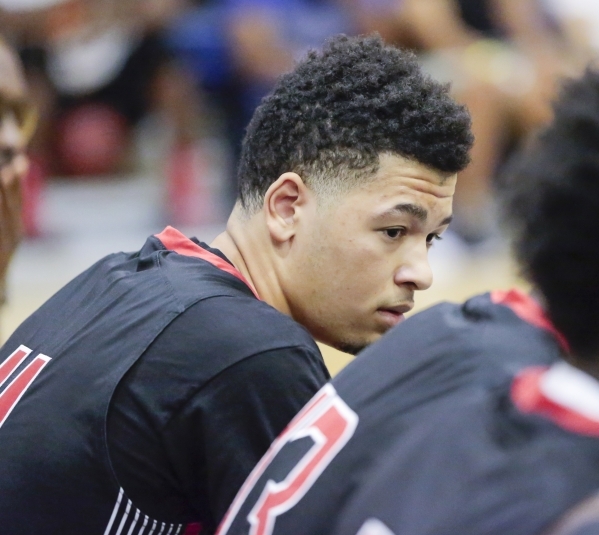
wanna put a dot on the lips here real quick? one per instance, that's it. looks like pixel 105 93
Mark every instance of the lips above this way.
pixel 394 315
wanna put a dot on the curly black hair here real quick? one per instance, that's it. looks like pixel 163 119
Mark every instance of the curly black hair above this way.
pixel 551 201
pixel 341 108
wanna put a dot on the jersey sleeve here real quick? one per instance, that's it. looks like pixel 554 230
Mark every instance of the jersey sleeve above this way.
pixel 230 423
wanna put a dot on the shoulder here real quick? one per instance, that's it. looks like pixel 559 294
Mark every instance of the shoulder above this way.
pixel 448 347
pixel 246 320
pixel 220 341
pixel 219 332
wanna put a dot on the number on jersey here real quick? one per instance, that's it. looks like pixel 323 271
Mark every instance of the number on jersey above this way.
pixel 329 423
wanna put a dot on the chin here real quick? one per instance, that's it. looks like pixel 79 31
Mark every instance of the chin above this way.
pixel 353 347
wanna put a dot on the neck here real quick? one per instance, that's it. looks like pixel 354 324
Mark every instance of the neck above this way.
pixel 246 243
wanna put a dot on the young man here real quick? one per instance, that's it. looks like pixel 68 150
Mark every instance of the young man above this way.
pixel 479 418
pixel 17 122
pixel 144 392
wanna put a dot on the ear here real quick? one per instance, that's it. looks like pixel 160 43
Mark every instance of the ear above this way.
pixel 283 204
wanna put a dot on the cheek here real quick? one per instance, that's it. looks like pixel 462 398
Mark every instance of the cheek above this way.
pixel 355 272
pixel 344 265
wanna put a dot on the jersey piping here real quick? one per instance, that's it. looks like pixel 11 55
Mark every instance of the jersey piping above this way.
pixel 527 309
pixel 173 240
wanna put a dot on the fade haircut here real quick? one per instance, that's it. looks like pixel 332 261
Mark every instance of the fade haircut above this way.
pixel 340 108
pixel 551 202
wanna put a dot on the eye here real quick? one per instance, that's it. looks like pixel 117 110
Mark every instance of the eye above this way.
pixel 394 232
pixel 432 237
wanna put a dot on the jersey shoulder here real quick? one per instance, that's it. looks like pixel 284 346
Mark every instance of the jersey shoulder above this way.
pixel 252 323
pixel 218 332
pixel 444 348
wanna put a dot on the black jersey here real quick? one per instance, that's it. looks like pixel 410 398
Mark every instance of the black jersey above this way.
pixel 509 460
pixel 138 398
pixel 436 360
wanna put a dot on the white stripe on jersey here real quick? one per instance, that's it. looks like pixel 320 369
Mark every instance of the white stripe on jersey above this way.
pixel 125 516
pixel 134 523
pixel 114 511
pixel 374 527
pixel 124 513
pixel 572 388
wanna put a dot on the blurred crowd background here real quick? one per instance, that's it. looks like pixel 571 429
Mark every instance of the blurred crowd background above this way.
pixel 143 103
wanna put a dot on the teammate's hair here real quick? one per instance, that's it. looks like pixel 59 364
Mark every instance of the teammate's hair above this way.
pixel 340 108
pixel 552 204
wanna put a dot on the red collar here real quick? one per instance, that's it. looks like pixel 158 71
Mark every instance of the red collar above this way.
pixel 173 240
pixel 526 308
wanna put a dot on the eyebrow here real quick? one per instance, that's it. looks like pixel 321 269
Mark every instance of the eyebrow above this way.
pixel 411 209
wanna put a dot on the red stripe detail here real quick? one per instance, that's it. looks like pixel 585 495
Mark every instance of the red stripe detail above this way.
pixel 306 412
pixel 526 308
pixel 527 395
pixel 332 425
pixel 15 390
pixel 12 363
pixel 173 240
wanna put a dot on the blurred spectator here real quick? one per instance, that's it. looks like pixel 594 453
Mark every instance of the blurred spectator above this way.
pixel 17 122
pixel 97 68
pixel 97 60
pixel 267 36
pixel 503 58
pixel 237 48
pixel 580 22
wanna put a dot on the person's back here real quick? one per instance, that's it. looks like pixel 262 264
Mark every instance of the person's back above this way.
pixel 488 462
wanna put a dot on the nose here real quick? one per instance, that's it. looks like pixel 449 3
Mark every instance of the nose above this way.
pixel 415 269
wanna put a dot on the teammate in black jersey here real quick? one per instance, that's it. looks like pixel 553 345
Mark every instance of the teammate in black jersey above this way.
pixel 480 418
pixel 140 396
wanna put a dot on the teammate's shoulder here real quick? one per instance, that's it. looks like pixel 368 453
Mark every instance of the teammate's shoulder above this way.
pixel 448 347
pixel 474 309
pixel 443 321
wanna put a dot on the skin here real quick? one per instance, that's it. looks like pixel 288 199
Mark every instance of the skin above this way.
pixel 347 268
pixel 14 162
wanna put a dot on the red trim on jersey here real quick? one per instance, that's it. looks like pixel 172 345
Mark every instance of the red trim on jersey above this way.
pixel 8 367
pixel 527 395
pixel 15 390
pixel 526 308
pixel 173 240
pixel 313 405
